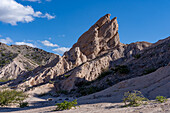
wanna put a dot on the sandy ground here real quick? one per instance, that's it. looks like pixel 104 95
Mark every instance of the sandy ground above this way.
pixel 96 108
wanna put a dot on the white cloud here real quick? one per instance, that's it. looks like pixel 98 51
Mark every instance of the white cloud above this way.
pixel 24 43
pixel 12 12
pixel 7 40
pixel 39 1
pixel 48 16
pixel 61 50
pixel 47 43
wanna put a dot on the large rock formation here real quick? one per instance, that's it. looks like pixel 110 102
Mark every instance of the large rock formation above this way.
pixel 102 36
pixel 98 40
pixel 151 85
pixel 93 53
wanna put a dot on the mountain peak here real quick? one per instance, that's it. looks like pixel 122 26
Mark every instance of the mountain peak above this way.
pixel 102 36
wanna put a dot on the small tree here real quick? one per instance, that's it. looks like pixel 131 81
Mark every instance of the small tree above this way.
pixel 134 98
pixel 66 105
pixel 161 99
pixel 11 96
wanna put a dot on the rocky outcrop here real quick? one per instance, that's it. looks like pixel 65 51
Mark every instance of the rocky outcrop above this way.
pixel 102 36
pixel 151 85
pixel 93 52
pixel 16 60
pixel 18 66
pixel 98 40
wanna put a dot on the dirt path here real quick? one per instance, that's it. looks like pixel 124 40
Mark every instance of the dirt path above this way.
pixel 97 108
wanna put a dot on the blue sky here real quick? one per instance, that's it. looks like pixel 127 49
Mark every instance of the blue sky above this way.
pixel 55 25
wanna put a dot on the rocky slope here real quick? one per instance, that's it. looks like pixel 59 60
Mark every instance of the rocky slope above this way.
pixel 92 53
pixel 16 60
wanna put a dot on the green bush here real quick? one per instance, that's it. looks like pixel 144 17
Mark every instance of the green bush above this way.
pixel 62 92
pixel 3 54
pixel 89 90
pixel 161 99
pixel 135 98
pixel 66 76
pixel 147 71
pixel 137 56
pixel 11 96
pixel 5 80
pixel 104 73
pixel 122 69
pixel 51 82
pixel 66 105
pixel 23 104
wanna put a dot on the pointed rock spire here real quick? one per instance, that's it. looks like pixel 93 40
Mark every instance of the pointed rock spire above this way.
pixel 102 36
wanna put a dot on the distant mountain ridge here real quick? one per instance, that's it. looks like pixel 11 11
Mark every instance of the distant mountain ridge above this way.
pixel 18 59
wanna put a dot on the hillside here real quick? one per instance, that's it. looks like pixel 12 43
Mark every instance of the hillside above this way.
pixel 97 69
pixel 16 60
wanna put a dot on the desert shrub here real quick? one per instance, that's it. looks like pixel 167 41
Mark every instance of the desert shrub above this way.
pixel 5 80
pixel 109 82
pixel 161 99
pixel 122 69
pixel 134 98
pixel 84 83
pixel 23 104
pixel 11 96
pixel 89 90
pixel 66 76
pixel 62 92
pixel 66 105
pixel 51 82
pixel 137 56
pixel 150 70
pixel 3 54
pixel 104 73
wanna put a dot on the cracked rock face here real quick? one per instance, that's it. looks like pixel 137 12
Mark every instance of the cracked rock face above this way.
pixel 99 39
pixel 90 55
pixel 102 36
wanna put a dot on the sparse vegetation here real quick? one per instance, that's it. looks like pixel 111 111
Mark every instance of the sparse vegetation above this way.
pixel 5 80
pixel 134 98
pixel 51 82
pixel 109 82
pixel 28 69
pixel 62 92
pixel 89 90
pixel 66 105
pixel 4 62
pixel 161 99
pixel 104 73
pixel 122 69
pixel 137 56
pixel 10 97
pixel 3 54
pixel 23 104
pixel 147 71
pixel 66 76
